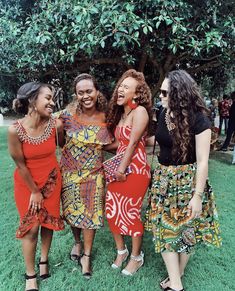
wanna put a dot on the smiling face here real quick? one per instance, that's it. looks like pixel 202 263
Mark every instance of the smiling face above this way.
pixel 86 94
pixel 126 90
pixel 164 93
pixel 44 102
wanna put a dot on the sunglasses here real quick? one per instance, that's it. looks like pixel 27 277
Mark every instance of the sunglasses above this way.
pixel 164 93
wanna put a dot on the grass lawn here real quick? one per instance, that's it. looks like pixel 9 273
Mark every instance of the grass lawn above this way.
pixel 209 269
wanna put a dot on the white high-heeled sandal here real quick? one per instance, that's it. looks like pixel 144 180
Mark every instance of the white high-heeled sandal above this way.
pixel 121 252
pixel 139 258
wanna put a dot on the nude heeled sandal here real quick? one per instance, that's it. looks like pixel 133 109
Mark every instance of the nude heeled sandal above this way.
pixel 140 259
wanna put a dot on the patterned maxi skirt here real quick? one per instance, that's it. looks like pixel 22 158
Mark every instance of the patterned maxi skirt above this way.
pixel 166 215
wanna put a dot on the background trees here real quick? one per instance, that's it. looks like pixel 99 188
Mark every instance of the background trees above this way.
pixel 59 39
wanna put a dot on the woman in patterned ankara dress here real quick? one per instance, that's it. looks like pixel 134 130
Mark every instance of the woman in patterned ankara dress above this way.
pixel 181 211
pixel 81 166
pixel 37 179
pixel 129 118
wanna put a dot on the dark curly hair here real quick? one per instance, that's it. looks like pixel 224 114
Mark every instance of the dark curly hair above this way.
pixel 27 95
pixel 144 98
pixel 74 106
pixel 185 100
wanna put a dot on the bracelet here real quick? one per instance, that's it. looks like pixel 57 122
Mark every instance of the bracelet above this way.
pixel 200 194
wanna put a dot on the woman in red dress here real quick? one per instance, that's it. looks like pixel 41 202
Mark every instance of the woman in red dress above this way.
pixel 129 117
pixel 37 179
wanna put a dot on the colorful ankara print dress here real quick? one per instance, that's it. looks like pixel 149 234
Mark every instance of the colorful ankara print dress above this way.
pixel 82 172
pixel 39 153
pixel 124 199
pixel 172 188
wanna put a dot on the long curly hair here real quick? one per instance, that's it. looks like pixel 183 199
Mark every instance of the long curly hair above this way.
pixel 144 98
pixel 185 100
pixel 75 106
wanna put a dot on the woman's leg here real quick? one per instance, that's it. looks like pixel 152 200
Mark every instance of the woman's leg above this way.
pixel 233 161
pixel 120 246
pixel 77 247
pixel 172 263
pixel 29 244
pixel 88 237
pixel 184 258
pixel 133 265
pixel 46 238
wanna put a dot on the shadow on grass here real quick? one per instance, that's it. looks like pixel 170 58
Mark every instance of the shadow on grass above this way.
pixel 223 157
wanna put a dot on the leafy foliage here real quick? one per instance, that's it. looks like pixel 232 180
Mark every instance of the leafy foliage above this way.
pixel 58 39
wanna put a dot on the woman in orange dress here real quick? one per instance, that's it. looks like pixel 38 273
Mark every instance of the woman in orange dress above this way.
pixel 37 178
pixel 128 118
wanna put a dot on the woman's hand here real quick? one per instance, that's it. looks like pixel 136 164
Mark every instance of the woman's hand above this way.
pixel 195 207
pixel 120 177
pixel 35 202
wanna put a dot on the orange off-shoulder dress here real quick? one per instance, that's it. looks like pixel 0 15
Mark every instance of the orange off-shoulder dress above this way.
pixel 40 159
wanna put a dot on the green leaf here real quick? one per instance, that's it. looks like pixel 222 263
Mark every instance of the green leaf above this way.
pixel 136 34
pixel 94 10
pixel 102 43
pixel 168 21
pixel 145 30
pixel 158 23
pixel 90 37
pixel 62 52
pixel 174 28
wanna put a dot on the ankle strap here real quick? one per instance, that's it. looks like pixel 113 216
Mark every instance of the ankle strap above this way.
pixel 86 255
pixel 122 252
pixel 78 242
pixel 138 258
pixel 43 263
pixel 28 277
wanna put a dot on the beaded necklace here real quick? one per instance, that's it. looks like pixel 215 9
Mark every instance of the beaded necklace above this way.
pixel 24 137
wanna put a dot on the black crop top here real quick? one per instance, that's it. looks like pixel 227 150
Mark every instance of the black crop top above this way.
pixel 164 138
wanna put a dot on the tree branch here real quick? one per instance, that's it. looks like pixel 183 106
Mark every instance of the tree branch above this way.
pixel 212 64
pixel 142 62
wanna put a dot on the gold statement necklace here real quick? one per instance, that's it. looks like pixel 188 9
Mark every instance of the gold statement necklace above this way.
pixel 169 124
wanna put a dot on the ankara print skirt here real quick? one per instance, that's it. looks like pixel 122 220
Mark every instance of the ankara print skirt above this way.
pixel 166 214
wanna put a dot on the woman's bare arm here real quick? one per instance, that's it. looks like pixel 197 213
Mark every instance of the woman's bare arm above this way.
pixel 15 150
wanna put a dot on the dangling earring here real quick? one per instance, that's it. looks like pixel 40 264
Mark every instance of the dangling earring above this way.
pixel 132 103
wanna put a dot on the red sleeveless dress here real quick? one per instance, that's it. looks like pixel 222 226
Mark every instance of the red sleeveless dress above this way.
pixel 40 159
pixel 124 199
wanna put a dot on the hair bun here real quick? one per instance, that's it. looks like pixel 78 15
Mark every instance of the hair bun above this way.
pixel 26 90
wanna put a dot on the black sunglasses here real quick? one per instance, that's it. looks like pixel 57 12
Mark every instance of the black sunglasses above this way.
pixel 164 93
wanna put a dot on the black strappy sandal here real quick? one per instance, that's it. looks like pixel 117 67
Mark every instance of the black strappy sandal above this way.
pixel 164 281
pixel 86 275
pixel 28 277
pixel 44 276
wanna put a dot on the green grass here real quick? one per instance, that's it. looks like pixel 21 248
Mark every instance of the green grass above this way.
pixel 208 270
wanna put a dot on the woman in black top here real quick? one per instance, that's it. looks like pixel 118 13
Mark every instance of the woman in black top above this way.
pixel 181 210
